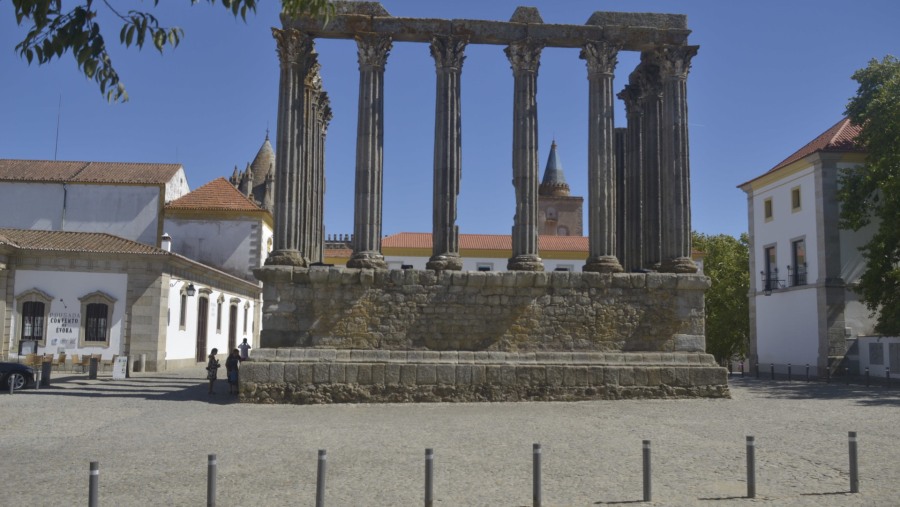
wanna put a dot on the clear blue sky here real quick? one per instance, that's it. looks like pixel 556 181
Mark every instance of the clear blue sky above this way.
pixel 769 77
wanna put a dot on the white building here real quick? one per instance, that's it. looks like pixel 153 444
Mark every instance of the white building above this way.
pixel 93 293
pixel 802 264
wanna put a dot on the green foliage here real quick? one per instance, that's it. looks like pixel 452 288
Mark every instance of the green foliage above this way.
pixel 726 262
pixel 53 32
pixel 871 193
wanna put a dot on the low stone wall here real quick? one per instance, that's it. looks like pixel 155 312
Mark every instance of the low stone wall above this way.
pixel 306 376
pixel 481 311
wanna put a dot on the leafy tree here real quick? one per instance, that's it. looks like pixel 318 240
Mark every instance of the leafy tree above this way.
pixel 727 263
pixel 53 32
pixel 871 193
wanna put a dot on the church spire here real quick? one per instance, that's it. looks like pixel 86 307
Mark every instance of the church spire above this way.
pixel 554 181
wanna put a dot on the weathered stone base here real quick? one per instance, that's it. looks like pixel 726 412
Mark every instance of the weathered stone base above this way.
pixel 286 258
pixel 305 376
pixel 444 263
pixel 367 260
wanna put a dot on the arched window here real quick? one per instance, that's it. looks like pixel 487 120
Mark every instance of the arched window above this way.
pixel 96 314
pixel 34 308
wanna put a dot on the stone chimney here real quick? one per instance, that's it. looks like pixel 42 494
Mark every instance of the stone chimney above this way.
pixel 166 242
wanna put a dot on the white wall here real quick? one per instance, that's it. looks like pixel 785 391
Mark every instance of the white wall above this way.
pixel 787 329
pixel 31 205
pixel 471 263
pixel 234 246
pixel 177 186
pixel 865 361
pixel 182 344
pixel 65 287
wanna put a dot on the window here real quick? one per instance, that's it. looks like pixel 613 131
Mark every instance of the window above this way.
pixel 219 313
pixel 485 266
pixel 797 273
pixel 182 313
pixel 246 308
pixel 562 230
pixel 876 354
pixel 551 214
pixel 767 209
pixel 96 310
pixel 795 199
pixel 34 309
pixel 770 275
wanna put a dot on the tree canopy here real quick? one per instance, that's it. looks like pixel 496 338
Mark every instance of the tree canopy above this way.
pixel 726 262
pixel 53 32
pixel 871 194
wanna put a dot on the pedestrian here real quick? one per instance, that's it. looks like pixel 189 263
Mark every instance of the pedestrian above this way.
pixel 245 350
pixel 232 364
pixel 212 368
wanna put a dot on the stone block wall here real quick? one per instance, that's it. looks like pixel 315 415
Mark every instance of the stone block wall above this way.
pixel 482 311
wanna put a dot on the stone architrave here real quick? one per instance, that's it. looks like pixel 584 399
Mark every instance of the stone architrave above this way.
pixel 674 63
pixel 632 208
pixel 296 56
pixel 645 79
pixel 447 52
pixel 601 58
pixel 372 53
pixel 524 57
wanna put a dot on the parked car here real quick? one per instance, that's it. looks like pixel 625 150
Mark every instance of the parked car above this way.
pixel 15 374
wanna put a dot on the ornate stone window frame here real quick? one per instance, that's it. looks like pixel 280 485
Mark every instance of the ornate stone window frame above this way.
pixel 28 296
pixel 796 199
pixel 219 302
pixel 96 297
pixel 182 308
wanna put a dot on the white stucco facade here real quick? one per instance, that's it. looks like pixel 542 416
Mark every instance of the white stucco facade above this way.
pixel 482 263
pixel 234 245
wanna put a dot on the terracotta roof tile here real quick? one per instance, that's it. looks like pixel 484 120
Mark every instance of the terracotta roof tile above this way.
pixel 65 241
pixel 487 242
pixel 217 195
pixel 87 172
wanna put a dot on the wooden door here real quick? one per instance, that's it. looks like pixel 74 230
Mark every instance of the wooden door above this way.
pixel 202 323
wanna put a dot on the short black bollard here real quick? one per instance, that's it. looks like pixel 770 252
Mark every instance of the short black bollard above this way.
pixel 827 375
pixel 789 372
pixel 320 480
pixel 730 368
pixel 647 486
pixel 854 468
pixel 887 374
pixel 12 386
pixel 847 375
pixel 757 371
pixel 867 377
pixel 807 372
pixel 536 475
pixel 751 467
pixel 742 369
pixel 93 366
pixel 37 379
pixel 429 477
pixel 211 465
pixel 94 484
pixel 772 371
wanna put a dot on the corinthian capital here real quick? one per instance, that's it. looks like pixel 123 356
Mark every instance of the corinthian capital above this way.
pixel 372 50
pixel 447 51
pixel 601 56
pixel 675 61
pixel 524 55
pixel 313 77
pixel 294 48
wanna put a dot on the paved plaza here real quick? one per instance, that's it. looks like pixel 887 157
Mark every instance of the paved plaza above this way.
pixel 152 434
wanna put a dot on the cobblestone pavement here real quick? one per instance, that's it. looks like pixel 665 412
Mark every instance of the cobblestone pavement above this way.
pixel 152 433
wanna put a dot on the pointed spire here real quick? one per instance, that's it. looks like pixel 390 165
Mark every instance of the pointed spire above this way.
pixel 554 182
pixel 235 176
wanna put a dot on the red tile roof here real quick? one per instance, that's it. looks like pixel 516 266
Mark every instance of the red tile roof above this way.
pixel 217 195
pixel 65 241
pixel 487 242
pixel 87 172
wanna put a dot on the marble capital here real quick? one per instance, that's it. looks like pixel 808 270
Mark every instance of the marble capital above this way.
pixel 524 56
pixel 601 57
pixel 373 50
pixel 448 51
pixel 294 49
pixel 675 61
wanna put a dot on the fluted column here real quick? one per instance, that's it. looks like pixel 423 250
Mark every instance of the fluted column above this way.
pixel 646 79
pixel 296 56
pixel 632 208
pixel 323 118
pixel 306 215
pixel 601 58
pixel 674 63
pixel 372 53
pixel 524 57
pixel 448 60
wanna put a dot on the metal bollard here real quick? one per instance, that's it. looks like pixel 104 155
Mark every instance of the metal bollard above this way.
pixel 887 373
pixel 827 375
pixel 429 477
pixel 854 465
pixel 772 371
pixel 742 369
pixel 807 372
pixel 847 375
pixel 212 464
pixel 757 371
pixel 536 475
pixel 751 467
pixel 37 379
pixel 94 484
pixel 647 485
pixel 789 372
pixel 867 377
pixel 320 480
pixel 12 386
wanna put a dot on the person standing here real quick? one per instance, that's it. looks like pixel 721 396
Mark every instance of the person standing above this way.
pixel 212 368
pixel 245 350
pixel 232 364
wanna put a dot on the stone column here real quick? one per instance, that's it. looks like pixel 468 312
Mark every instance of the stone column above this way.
pixel 646 80
pixel 524 57
pixel 372 53
pixel 296 56
pixel 632 208
pixel 447 52
pixel 307 217
pixel 601 58
pixel 674 63
pixel 323 120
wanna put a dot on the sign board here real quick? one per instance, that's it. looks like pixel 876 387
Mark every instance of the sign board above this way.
pixel 120 368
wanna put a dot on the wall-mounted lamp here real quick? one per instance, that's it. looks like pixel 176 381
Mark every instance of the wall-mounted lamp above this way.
pixel 191 290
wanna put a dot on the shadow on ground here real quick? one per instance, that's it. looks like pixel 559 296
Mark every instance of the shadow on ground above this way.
pixel 874 395
pixel 161 388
